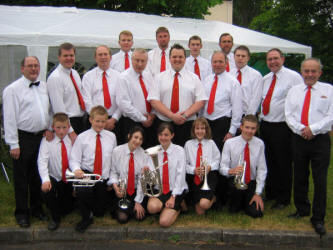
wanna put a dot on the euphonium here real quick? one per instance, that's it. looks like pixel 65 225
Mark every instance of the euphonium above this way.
pixel 240 178
pixel 203 164
pixel 88 180
pixel 123 202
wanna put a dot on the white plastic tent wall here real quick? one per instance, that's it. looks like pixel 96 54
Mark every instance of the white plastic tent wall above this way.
pixel 35 29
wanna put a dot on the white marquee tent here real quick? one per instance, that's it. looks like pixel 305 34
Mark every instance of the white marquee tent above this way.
pixel 35 30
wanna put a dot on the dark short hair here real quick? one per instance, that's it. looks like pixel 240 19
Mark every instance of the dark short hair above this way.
pixel 250 118
pixel 133 130
pixel 23 60
pixel 203 121
pixel 243 47
pixel 165 125
pixel 277 50
pixel 60 117
pixel 177 46
pixel 225 34
pixel 65 46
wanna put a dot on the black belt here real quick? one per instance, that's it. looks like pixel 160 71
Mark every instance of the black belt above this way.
pixel 39 133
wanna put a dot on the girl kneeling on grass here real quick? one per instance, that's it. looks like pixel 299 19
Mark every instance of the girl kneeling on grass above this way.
pixel 201 151
pixel 172 178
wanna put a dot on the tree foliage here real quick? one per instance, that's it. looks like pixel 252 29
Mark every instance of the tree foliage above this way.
pixel 308 22
pixel 177 8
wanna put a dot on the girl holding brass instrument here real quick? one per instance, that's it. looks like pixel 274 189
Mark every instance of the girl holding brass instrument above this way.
pixel 202 163
pixel 172 174
pixel 128 162
pixel 243 162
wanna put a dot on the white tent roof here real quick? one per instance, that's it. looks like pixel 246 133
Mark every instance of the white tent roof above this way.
pixel 41 27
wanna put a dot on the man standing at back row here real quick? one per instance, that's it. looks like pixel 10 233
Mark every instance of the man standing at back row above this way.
pixel 274 130
pixel 226 42
pixel 309 114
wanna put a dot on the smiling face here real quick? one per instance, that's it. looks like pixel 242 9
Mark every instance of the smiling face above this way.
pixel 135 141
pixel 31 68
pixel 103 57
pixel 67 58
pixel 218 63
pixel 274 61
pixel 139 61
pixel 200 131
pixel 226 44
pixel 177 59
pixel 311 72
pixel 248 129
pixel 125 42
pixel 165 138
pixel 98 122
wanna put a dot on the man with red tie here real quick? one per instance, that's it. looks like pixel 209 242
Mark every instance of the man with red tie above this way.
pixel 249 79
pixel 309 114
pixel 177 96
pixel 195 63
pixel 132 93
pixel 158 58
pixel 226 42
pixel 64 88
pixel 99 87
pixel 121 61
pixel 274 130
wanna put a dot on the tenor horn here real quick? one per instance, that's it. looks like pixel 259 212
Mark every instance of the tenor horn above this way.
pixel 88 180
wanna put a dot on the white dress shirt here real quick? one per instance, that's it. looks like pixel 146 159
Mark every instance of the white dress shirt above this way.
pixel 92 90
pixel 176 167
pixel 118 61
pixel 50 158
pixel 205 66
pixel 231 60
pixel 83 151
pixel 120 165
pixel 210 154
pixel 320 112
pixel 228 99
pixel 130 98
pixel 154 61
pixel 285 80
pixel 25 108
pixel 233 151
pixel 191 90
pixel 63 96
pixel 251 88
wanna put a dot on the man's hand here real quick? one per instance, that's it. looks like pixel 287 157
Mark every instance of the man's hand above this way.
pixel 78 174
pixel 46 186
pixel 227 136
pixel 140 211
pixel 149 121
pixel 171 202
pixel 72 136
pixel 258 200
pixel 307 133
pixel 119 193
pixel 110 124
pixel 48 135
pixel 15 153
pixel 236 170
pixel 178 119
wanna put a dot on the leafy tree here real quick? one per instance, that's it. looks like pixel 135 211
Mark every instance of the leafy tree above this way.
pixel 245 10
pixel 177 8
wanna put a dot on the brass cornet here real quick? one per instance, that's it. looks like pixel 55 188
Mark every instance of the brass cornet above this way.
pixel 88 180
pixel 239 180
pixel 123 202
pixel 203 164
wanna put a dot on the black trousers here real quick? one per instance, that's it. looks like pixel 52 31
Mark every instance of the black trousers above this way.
pixel 240 199
pixel 317 152
pixel 278 153
pixel 79 124
pixel 149 133
pixel 59 199
pixel 26 177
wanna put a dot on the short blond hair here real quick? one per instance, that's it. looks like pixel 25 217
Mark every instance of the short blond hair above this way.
pixel 98 110
pixel 126 33
pixel 60 117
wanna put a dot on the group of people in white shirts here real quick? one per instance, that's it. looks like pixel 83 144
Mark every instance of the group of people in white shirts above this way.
pixel 201 113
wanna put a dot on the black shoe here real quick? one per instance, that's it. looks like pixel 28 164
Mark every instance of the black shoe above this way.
pixel 278 206
pixel 83 225
pixel 297 215
pixel 40 216
pixel 52 225
pixel 319 228
pixel 23 222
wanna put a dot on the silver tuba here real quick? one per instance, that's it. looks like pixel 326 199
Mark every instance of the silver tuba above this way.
pixel 123 202
pixel 88 180
pixel 203 164
pixel 150 179
pixel 239 180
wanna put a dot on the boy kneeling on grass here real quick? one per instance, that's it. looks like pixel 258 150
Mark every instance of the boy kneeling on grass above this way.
pixel 249 150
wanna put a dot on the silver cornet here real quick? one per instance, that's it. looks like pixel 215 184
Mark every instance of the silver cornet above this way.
pixel 203 164
pixel 123 202
pixel 239 180
pixel 88 180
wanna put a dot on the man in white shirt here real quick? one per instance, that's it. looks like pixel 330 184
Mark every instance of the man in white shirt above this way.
pixel 226 42
pixel 274 130
pixel 249 79
pixel 26 110
pixel 195 63
pixel 121 61
pixel 244 155
pixel 177 96
pixel 64 87
pixel 158 58
pixel 132 93
pixel 309 114
pixel 99 88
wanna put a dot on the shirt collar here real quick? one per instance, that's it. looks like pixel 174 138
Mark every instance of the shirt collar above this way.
pixel 65 70
pixel 27 81
pixel 169 150
pixel 100 71
pixel 181 72
pixel 166 51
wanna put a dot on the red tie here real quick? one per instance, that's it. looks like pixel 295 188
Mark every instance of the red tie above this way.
pixel 197 164
pixel 106 93
pixel 78 93
pixel 227 68
pixel 306 106
pixel 145 93
pixel 175 95
pixel 248 166
pixel 162 61
pixel 127 64
pixel 196 68
pixel 98 156
pixel 267 101
pixel 239 77
pixel 130 178
pixel 210 107
pixel 64 160
pixel 165 180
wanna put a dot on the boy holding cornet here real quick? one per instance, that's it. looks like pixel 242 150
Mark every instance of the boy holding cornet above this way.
pixel 243 162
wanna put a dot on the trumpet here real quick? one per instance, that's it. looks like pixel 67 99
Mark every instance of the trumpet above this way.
pixel 239 180
pixel 123 202
pixel 88 180
pixel 203 164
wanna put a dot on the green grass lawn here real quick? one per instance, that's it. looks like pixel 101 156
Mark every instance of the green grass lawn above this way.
pixel 272 220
